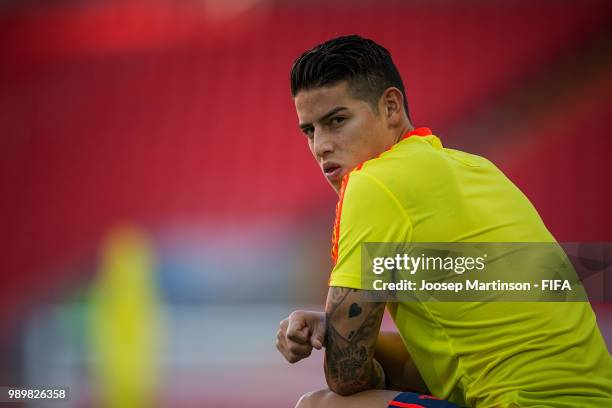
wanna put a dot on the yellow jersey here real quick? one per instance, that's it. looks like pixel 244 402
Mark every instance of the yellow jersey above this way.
pixel 476 354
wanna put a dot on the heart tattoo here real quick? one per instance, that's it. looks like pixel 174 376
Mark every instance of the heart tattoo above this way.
pixel 354 310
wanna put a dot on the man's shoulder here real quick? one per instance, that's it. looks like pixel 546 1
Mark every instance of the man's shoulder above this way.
pixel 408 164
pixel 367 196
pixel 419 170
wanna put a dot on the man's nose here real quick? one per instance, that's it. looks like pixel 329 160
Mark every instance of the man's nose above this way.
pixel 323 144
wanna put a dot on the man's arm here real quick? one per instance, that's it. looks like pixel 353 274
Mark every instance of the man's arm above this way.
pixel 352 327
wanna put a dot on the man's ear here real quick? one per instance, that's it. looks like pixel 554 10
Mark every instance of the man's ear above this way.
pixel 392 106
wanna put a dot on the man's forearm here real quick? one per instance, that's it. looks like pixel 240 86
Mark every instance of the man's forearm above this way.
pixel 352 327
pixel 343 381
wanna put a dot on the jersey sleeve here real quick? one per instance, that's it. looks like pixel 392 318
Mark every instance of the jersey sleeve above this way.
pixel 369 213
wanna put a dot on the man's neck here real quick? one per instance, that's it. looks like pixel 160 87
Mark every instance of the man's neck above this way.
pixel 404 129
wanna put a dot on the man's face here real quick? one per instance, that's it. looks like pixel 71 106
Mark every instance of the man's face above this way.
pixel 342 131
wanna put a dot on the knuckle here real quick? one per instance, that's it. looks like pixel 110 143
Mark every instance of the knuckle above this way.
pixel 295 314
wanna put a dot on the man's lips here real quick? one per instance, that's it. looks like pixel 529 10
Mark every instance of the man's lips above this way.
pixel 332 171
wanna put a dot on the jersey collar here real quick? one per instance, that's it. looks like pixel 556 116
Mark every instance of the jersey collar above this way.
pixel 422 131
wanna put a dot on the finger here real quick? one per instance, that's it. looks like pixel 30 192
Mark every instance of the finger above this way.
pixel 281 346
pixel 297 331
pixel 299 336
pixel 280 336
pixel 301 350
pixel 293 357
pixel 318 336
pixel 283 324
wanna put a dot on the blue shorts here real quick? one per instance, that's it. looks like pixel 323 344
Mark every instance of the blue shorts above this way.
pixel 415 400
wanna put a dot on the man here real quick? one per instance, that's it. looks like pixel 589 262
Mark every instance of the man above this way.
pixel 399 184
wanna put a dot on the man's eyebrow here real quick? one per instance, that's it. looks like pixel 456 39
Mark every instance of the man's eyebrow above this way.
pixel 324 117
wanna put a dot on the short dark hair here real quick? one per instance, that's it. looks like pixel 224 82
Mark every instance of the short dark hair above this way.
pixel 366 65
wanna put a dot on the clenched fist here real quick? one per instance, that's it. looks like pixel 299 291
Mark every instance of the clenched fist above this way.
pixel 299 333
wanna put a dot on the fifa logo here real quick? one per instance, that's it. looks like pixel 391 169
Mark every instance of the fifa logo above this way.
pixel 556 284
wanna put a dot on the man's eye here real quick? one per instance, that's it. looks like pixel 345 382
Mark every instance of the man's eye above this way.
pixel 308 132
pixel 337 120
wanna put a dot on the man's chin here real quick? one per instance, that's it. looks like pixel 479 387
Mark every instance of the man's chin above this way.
pixel 335 185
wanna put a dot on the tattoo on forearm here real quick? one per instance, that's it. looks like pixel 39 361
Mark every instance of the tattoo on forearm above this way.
pixel 354 310
pixel 352 329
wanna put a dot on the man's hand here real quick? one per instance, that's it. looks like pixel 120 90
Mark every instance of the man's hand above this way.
pixel 299 333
